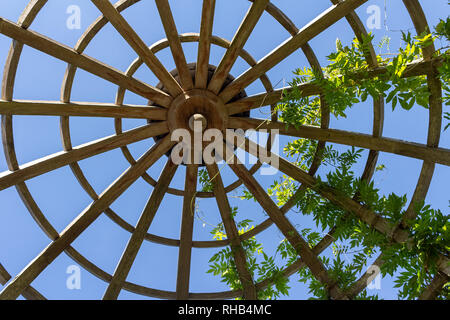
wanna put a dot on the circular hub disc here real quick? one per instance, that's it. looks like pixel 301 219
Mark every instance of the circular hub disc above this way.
pixel 198 102
pixel 193 102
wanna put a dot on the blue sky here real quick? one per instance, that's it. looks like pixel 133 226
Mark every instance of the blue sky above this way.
pixel 61 198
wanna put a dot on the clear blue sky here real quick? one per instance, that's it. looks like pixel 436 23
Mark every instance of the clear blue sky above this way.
pixel 61 198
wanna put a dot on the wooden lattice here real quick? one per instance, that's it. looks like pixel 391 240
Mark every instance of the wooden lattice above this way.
pixel 198 82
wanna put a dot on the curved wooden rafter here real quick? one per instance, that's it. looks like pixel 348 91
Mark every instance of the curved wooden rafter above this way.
pixel 312 29
pixel 376 143
pixel 135 242
pixel 236 46
pixel 284 225
pixel 80 109
pixel 64 53
pixel 14 288
pixel 371 218
pixel 395 146
pixel 245 276
pixel 29 293
pixel 60 159
pixel 434 129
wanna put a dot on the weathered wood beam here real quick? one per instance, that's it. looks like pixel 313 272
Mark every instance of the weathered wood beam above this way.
pixel 83 221
pixel 288 168
pixel 133 39
pixel 204 44
pixel 237 44
pixel 308 32
pixel 29 293
pixel 187 228
pixel 417 68
pixel 365 214
pixel 69 55
pixel 81 109
pixel 138 236
pixel 395 146
pixel 285 226
pixel 240 259
pixel 63 158
pixel 175 44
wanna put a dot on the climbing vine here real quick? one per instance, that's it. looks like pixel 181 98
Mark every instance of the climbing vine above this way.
pixel 347 80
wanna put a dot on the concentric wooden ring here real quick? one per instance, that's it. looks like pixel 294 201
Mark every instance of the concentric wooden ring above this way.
pixel 426 174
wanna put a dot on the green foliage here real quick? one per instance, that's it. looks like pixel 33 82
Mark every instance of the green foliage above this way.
pixel 347 80
pixel 431 238
pixel 430 234
pixel 260 265
pixel 355 242
pixel 205 181
pixel 283 190
pixel 442 29
pixel 410 90
pixel 443 32
pixel 303 151
pixel 247 196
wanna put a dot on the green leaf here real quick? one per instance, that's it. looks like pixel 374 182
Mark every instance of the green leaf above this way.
pixel 394 102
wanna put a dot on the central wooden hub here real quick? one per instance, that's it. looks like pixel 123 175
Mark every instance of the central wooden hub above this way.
pixel 198 122
pixel 197 104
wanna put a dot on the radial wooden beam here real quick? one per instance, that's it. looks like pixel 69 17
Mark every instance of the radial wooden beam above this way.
pixel 137 238
pixel 187 228
pixel 285 226
pixel 435 112
pixel 4 275
pixel 29 293
pixel 359 285
pixel 175 44
pixel 81 109
pixel 403 148
pixel 83 42
pixel 417 68
pixel 311 30
pixel 299 263
pixel 435 287
pixel 12 60
pixel 63 158
pixel 346 203
pixel 378 101
pixel 69 55
pixel 133 39
pixel 240 259
pixel 268 98
pixel 365 214
pixel 84 220
pixel 237 44
pixel 204 44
